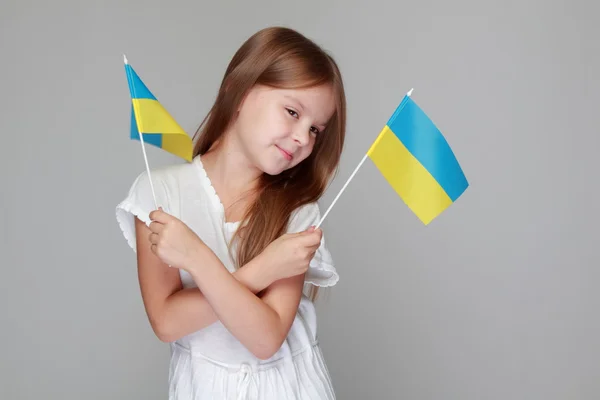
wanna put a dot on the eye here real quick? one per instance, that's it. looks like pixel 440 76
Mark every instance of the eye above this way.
pixel 313 129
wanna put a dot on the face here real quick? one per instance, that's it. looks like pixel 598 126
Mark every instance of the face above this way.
pixel 277 128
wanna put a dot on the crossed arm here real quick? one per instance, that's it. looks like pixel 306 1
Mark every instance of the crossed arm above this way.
pixel 261 324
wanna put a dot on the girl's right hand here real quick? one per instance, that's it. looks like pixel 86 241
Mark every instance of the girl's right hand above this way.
pixel 290 254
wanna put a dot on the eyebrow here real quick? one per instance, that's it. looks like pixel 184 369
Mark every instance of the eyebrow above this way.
pixel 295 100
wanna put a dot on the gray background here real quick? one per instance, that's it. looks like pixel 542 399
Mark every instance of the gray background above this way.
pixel 497 299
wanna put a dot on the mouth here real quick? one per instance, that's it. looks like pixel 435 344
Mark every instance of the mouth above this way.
pixel 285 153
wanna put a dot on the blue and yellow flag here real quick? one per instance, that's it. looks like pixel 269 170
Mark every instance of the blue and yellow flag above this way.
pixel 416 160
pixel 149 118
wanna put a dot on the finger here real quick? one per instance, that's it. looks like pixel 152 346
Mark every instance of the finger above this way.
pixel 156 226
pixel 318 235
pixel 312 238
pixel 309 231
pixel 294 235
pixel 159 216
pixel 312 231
pixel 302 237
pixel 153 238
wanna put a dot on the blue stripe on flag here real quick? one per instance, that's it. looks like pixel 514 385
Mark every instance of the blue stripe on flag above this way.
pixel 427 144
pixel 137 88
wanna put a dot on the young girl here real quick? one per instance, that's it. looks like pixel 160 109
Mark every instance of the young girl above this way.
pixel 230 261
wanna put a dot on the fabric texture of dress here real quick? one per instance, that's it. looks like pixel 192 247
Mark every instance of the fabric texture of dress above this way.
pixel 211 364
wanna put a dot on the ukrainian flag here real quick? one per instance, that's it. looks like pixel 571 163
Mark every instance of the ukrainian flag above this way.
pixel 149 118
pixel 416 160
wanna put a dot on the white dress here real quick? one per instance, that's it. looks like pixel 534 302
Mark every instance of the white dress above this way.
pixel 212 363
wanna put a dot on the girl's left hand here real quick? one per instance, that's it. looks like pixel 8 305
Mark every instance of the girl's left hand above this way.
pixel 173 241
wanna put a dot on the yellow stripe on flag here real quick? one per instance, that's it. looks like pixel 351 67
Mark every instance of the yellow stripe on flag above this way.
pixel 153 118
pixel 178 145
pixel 413 183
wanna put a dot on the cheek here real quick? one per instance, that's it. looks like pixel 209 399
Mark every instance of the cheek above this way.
pixel 255 128
pixel 277 125
pixel 306 151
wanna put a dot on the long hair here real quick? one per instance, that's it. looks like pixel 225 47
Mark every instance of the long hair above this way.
pixel 281 58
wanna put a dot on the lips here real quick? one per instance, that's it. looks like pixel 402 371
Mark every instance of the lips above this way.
pixel 285 153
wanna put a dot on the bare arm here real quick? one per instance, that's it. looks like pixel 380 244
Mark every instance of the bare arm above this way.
pixel 261 324
pixel 174 312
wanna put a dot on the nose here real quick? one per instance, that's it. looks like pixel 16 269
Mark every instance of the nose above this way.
pixel 301 135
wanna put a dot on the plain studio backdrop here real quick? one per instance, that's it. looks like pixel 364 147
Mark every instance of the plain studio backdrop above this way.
pixel 496 299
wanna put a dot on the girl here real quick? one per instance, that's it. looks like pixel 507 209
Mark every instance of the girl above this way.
pixel 236 228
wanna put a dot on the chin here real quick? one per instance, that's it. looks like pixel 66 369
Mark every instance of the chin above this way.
pixel 275 167
pixel 273 170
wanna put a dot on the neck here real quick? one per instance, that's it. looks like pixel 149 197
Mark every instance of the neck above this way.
pixel 229 169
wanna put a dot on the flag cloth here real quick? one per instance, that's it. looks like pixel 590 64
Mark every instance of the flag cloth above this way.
pixel 152 120
pixel 416 160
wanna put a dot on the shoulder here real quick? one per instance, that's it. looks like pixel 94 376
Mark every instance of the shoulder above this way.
pixel 147 192
pixel 165 182
pixel 303 217
pixel 168 176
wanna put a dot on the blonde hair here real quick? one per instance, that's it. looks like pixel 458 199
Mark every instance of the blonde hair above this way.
pixel 282 58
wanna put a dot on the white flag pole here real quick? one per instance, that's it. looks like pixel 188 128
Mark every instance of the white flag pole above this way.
pixel 348 181
pixel 141 137
pixel 342 190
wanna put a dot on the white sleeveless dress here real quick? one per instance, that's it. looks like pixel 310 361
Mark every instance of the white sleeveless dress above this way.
pixel 212 364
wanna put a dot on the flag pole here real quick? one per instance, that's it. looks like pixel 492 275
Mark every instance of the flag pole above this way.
pixel 343 188
pixel 141 135
pixel 348 181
